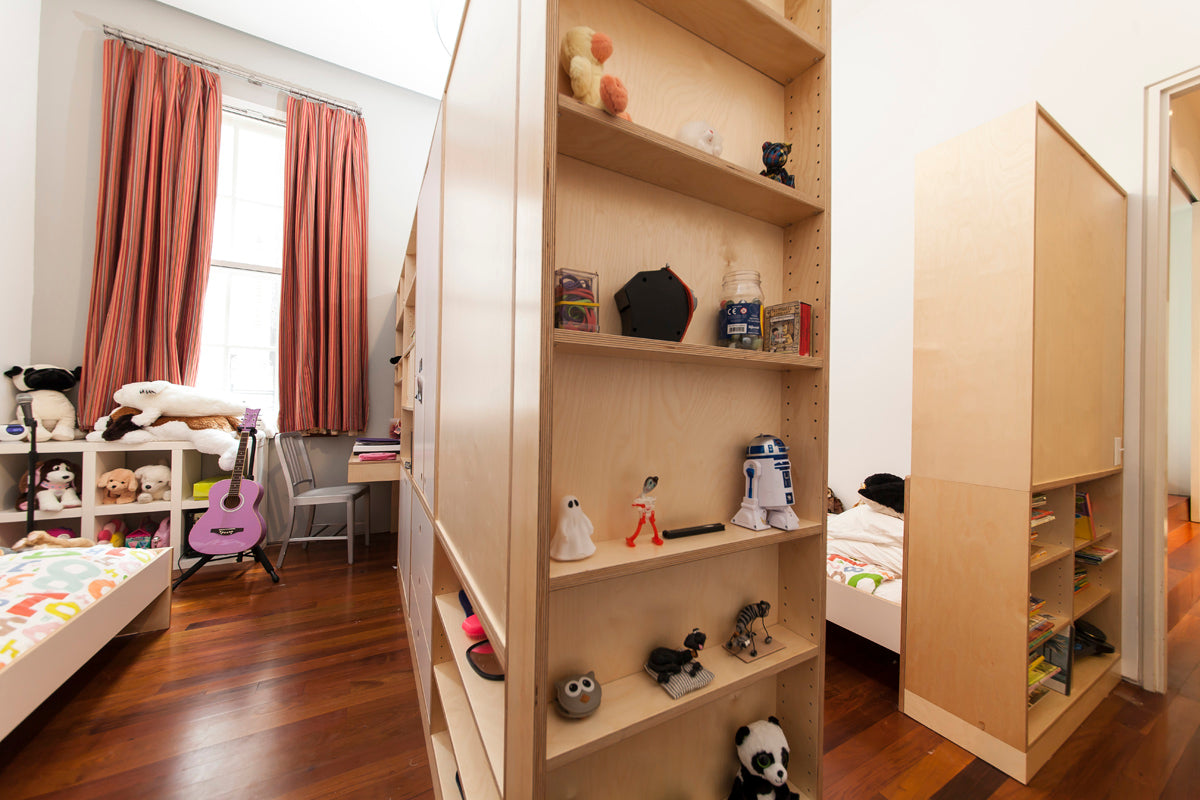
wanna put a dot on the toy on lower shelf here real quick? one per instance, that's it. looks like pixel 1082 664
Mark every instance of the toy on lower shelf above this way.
pixel 678 671
pixel 762 748
pixel 578 696
pixel 743 631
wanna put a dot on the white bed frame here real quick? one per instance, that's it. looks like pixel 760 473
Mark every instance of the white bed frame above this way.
pixel 869 616
pixel 137 605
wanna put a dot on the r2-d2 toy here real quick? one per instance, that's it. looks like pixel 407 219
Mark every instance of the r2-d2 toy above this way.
pixel 768 499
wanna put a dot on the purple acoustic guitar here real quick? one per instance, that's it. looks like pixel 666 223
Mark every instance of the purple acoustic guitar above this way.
pixel 232 523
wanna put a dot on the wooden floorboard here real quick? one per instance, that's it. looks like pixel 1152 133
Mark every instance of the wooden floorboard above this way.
pixel 304 690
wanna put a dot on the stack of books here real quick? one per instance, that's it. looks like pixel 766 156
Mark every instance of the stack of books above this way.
pixel 1095 554
pixel 1040 516
pixel 1081 579
pixel 1041 628
pixel 369 449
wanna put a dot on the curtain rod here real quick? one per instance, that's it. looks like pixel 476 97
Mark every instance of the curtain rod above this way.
pixel 230 69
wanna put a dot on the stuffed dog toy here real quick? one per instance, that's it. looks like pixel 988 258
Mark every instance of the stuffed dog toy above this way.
pixel 55 486
pixel 53 413
pixel 120 486
pixel 154 481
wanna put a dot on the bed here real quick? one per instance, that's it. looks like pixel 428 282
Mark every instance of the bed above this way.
pixel 58 607
pixel 865 573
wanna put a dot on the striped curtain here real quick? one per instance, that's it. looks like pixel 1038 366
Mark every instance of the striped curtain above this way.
pixel 154 220
pixel 323 298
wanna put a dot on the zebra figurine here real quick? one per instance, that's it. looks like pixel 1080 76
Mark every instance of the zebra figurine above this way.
pixel 743 631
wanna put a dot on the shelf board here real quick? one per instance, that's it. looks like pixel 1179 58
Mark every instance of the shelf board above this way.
pixel 486 697
pixel 1087 477
pixel 473 769
pixel 444 764
pixel 749 31
pixel 1085 675
pixel 609 142
pixel 614 558
pixel 614 346
pixel 1053 553
pixel 49 516
pixel 1089 598
pixel 635 702
pixel 127 509
pixel 1101 534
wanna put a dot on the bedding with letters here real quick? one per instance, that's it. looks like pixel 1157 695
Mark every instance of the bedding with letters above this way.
pixel 42 590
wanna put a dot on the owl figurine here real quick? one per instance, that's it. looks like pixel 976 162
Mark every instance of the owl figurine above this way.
pixel 573 537
pixel 578 695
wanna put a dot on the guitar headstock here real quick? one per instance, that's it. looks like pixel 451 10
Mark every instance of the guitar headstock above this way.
pixel 249 420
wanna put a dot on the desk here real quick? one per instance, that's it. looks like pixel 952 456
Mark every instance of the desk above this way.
pixel 369 471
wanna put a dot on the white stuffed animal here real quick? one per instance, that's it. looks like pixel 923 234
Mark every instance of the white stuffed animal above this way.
pixel 154 483
pixel 700 134
pixel 162 399
pixel 160 411
pixel 53 413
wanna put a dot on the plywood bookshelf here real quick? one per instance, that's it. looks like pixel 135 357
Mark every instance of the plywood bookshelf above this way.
pixel 525 413
pixel 1017 391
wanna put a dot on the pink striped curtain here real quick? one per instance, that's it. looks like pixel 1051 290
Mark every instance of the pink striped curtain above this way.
pixel 323 302
pixel 154 219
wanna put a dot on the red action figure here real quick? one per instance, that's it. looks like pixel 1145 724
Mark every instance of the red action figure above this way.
pixel 645 504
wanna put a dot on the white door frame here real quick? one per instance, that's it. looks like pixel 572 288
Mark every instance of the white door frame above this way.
pixel 1156 210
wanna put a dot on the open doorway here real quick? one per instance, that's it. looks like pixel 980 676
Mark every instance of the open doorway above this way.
pixel 1171 300
pixel 1183 376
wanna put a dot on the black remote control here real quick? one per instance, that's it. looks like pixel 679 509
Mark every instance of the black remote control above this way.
pixel 676 533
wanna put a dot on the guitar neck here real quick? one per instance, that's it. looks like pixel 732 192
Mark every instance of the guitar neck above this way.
pixel 239 466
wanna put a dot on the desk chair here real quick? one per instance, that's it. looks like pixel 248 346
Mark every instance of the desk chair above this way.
pixel 303 491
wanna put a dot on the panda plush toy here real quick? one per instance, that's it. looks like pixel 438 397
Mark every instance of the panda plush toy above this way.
pixel 762 749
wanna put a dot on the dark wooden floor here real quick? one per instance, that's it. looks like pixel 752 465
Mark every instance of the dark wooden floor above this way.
pixel 298 690
pixel 305 690
pixel 1136 745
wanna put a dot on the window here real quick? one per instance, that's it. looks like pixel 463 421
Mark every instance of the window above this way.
pixel 239 339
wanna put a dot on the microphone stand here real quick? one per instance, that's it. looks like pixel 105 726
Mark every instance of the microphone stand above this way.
pixel 30 484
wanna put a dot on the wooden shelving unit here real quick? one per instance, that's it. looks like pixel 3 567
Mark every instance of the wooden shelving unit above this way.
pixel 1017 391
pixel 516 414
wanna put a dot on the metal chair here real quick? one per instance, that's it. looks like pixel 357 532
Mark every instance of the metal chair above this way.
pixel 303 491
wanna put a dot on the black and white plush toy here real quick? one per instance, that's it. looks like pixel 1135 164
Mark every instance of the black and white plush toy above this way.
pixel 52 410
pixel 762 749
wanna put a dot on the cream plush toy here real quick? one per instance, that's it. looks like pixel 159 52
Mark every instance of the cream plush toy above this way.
pixel 582 55
pixel 161 411
pixel 53 413
pixel 154 483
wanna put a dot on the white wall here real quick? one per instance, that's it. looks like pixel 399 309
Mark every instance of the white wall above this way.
pixel 1179 355
pixel 909 75
pixel 18 130
pixel 399 127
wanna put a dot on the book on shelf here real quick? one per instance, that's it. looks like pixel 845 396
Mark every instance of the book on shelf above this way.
pixel 1081 581
pixel 1037 693
pixel 787 328
pixel 1058 652
pixel 1037 554
pixel 1035 604
pixel 394 447
pixel 1041 628
pixel 1095 554
pixel 1041 671
pixel 1085 523
pixel 1038 499
pixel 1040 517
pixel 376 440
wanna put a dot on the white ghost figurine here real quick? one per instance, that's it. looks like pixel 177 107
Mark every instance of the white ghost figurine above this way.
pixel 573 537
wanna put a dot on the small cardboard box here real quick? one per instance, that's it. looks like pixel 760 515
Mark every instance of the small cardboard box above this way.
pixel 200 489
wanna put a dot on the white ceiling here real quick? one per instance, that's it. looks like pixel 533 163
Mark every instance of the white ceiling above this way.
pixel 403 42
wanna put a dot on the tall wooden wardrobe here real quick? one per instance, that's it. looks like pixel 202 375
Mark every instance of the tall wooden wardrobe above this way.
pixel 1018 382
pixel 505 414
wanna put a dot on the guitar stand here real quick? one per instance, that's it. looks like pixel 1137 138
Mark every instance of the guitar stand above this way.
pixel 259 554
pixel 257 551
